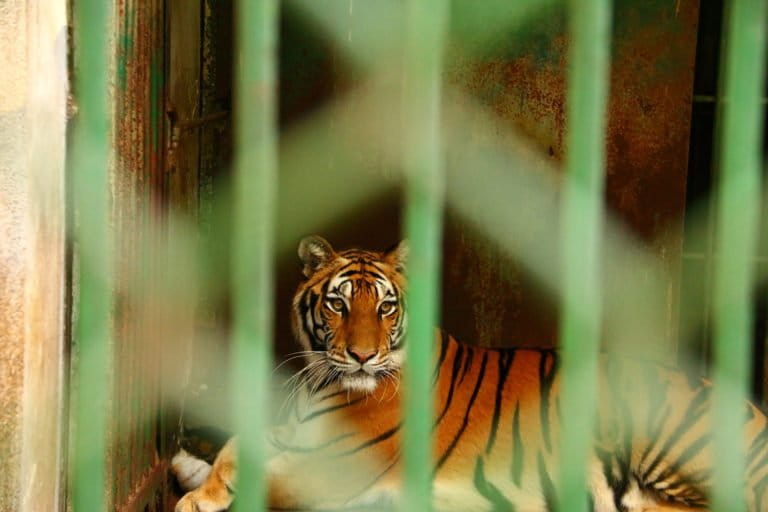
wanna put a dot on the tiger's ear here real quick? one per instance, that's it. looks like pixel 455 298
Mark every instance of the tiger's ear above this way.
pixel 397 256
pixel 315 252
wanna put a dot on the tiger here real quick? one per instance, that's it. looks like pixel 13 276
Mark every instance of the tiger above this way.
pixel 496 415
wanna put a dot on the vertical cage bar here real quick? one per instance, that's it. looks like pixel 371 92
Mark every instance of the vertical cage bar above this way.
pixel 737 231
pixel 91 231
pixel 254 193
pixel 589 55
pixel 426 28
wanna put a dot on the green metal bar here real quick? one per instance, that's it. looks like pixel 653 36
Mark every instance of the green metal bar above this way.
pixel 254 193
pixel 426 26
pixel 92 333
pixel 588 65
pixel 737 234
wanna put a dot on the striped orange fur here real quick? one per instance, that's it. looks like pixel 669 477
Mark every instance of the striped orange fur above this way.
pixel 496 414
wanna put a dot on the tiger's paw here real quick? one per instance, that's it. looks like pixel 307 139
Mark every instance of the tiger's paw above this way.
pixel 190 471
pixel 195 502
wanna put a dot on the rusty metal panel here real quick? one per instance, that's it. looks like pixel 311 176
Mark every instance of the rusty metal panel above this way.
pixel 522 82
pixel 184 21
pixel 209 351
pixel 139 186
pixel 215 100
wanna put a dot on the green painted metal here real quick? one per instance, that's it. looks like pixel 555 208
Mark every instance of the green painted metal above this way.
pixel 426 24
pixel 254 192
pixel 737 234
pixel 92 333
pixel 588 66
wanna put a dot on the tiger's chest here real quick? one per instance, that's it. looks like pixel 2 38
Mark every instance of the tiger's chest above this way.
pixel 492 414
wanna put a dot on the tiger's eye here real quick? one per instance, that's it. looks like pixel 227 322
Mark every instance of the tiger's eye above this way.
pixel 386 308
pixel 336 304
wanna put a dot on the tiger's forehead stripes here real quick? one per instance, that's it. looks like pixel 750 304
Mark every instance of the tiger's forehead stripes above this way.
pixel 361 276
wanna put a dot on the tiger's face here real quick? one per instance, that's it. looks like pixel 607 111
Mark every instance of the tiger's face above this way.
pixel 349 314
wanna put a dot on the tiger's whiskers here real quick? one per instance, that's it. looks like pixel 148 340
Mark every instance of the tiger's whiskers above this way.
pixel 296 355
pixel 298 379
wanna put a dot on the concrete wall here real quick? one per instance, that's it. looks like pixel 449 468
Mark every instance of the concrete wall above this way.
pixel 33 61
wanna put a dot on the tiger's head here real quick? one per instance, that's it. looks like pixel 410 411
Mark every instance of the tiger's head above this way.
pixel 349 314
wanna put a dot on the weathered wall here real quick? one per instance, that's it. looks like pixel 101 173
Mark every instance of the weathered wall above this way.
pixel 32 140
pixel 518 83
pixel 522 80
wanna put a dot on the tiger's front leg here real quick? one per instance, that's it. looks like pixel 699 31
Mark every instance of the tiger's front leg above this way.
pixel 217 492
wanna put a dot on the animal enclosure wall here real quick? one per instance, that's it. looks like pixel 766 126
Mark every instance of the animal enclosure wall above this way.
pixel 171 201
pixel 515 86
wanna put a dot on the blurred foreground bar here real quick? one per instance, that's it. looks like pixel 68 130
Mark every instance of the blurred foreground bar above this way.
pixel 425 33
pixel 252 284
pixel 92 334
pixel 589 58
pixel 737 234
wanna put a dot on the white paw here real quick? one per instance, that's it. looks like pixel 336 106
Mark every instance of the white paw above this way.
pixel 190 471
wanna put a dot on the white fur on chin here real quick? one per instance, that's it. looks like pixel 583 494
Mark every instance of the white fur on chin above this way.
pixel 364 383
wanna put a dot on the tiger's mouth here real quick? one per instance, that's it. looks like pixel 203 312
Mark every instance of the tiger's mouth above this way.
pixel 359 377
pixel 359 380
pixel 366 378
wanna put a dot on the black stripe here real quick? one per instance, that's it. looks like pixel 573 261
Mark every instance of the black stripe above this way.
pixel 760 465
pixel 698 478
pixel 457 357
pixel 693 413
pixel 378 477
pixel 330 395
pixel 362 272
pixel 546 379
pixel 381 437
pixel 758 491
pixel 331 408
pixel 656 392
pixel 489 491
pixel 308 307
pixel 379 277
pixel 506 358
pixel 349 273
pixel 616 465
pixel 655 433
pixel 617 483
pixel 343 268
pixel 517 447
pixel 472 399
pixel 467 363
pixel 398 335
pixel 444 341
pixel 547 487
pixel 688 454
pixel 757 447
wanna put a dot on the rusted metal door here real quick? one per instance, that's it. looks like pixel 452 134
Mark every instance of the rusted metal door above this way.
pixel 139 198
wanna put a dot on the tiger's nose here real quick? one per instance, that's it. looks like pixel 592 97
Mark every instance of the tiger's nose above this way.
pixel 359 355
